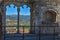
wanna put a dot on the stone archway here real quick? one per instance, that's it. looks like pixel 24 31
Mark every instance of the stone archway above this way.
pixel 50 16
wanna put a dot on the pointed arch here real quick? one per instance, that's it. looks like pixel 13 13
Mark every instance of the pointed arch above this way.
pixel 11 18
pixel 25 17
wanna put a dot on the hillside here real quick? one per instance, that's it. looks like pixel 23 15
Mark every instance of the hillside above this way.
pixel 21 17
pixel 11 20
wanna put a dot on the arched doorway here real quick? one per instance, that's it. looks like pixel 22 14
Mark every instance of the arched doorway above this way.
pixel 50 16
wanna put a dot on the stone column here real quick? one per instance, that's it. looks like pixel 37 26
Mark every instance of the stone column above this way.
pixel 34 17
pixel 32 11
pixel 4 20
pixel 1 13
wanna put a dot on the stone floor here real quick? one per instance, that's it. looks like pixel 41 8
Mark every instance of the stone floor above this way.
pixel 30 37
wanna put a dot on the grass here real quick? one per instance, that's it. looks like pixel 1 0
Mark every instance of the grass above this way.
pixel 11 27
pixel 26 29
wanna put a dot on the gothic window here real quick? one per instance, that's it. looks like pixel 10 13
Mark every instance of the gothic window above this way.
pixel 11 19
pixel 17 19
pixel 24 18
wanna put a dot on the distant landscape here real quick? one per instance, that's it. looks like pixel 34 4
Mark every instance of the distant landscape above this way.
pixel 11 20
pixel 11 23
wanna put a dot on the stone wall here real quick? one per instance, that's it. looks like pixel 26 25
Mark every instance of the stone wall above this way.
pixel 38 9
pixel 0 25
pixel 40 19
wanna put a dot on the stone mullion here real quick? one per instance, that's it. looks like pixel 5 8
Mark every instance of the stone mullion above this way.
pixel 18 10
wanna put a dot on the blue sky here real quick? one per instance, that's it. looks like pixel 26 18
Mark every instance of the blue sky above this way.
pixel 13 11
